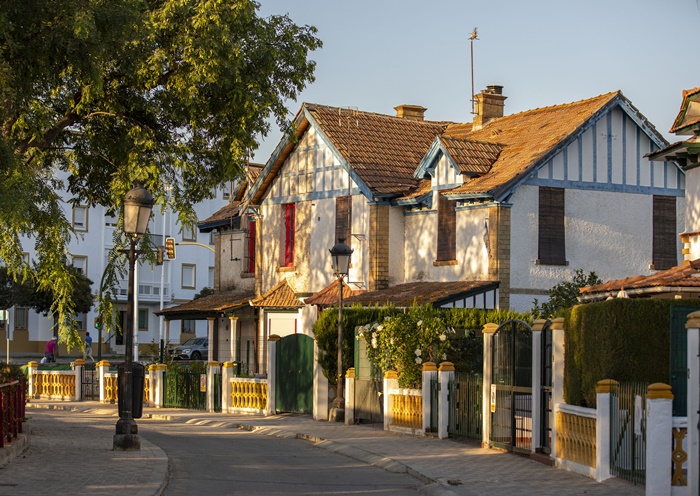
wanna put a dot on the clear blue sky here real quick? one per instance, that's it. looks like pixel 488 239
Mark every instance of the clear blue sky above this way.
pixel 378 54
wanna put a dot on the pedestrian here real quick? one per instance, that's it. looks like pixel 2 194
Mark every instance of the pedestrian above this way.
pixel 88 346
pixel 51 350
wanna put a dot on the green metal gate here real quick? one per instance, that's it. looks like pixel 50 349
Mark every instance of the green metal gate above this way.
pixel 511 387
pixel 182 388
pixel 546 407
pixel 679 360
pixel 294 391
pixel 369 386
pixel 464 397
pixel 628 431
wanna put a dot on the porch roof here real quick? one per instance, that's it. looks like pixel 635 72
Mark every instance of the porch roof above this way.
pixel 328 296
pixel 422 293
pixel 208 306
pixel 280 296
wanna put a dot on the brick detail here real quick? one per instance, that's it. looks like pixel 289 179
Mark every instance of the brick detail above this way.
pixel 499 252
pixel 378 246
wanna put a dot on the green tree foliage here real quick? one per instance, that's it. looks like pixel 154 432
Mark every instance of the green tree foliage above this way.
pixel 97 95
pixel 564 295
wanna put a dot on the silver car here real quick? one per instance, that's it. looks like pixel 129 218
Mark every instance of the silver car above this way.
pixel 192 349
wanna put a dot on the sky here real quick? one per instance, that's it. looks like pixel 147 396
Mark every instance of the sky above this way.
pixel 378 54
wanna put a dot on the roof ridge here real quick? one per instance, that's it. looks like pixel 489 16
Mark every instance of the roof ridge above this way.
pixel 559 105
pixel 310 106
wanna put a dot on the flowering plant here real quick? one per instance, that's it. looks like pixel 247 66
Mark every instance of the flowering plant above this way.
pixel 404 341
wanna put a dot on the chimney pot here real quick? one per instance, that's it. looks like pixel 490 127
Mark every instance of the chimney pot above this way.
pixel 496 89
pixel 489 106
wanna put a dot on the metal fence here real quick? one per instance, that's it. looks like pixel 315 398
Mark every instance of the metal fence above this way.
pixel 216 394
pixel 12 404
pixel 434 406
pixel 89 383
pixel 464 398
pixel 182 388
pixel 628 431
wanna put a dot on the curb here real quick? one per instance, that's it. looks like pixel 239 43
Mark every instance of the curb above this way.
pixel 12 450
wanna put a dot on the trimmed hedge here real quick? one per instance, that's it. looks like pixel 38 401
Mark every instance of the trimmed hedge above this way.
pixel 622 339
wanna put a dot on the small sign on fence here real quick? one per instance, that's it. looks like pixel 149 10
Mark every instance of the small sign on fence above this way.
pixel 203 383
pixel 493 398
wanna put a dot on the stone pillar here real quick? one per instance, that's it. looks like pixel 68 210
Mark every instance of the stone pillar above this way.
pixel 152 384
pixel 659 440
pixel 429 374
pixel 78 371
pixel 445 375
pixel 32 368
pixel 350 396
pixel 233 326
pixel 487 333
pixel 102 368
pixel 557 373
pixel 602 432
pixel 537 385
pixel 226 376
pixel 160 384
pixel 693 439
pixel 391 381
pixel 321 410
pixel 210 335
pixel 212 369
pixel 271 373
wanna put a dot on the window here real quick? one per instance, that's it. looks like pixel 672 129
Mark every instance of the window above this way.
pixel 81 319
pixel 188 233
pixel 664 254
pixel 21 317
pixel 80 263
pixel 288 226
pixel 212 237
pixel 250 244
pixel 188 276
pixel 226 191
pixel 343 218
pixel 110 221
pixel 447 229
pixel 210 277
pixel 189 325
pixel 80 218
pixel 552 241
pixel 143 319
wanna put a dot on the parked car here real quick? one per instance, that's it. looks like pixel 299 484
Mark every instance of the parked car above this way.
pixel 192 349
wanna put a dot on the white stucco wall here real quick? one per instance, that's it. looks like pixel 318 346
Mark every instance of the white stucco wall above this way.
pixel 692 212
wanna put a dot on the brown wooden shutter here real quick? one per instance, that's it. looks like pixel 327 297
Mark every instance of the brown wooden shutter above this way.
pixel 447 229
pixel 343 218
pixel 552 235
pixel 664 255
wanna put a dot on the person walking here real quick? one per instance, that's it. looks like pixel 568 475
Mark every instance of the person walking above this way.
pixel 88 346
pixel 51 350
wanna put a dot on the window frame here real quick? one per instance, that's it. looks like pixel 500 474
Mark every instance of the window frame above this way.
pixel 343 218
pixel 551 228
pixel 664 252
pixel 84 226
pixel 446 249
pixel 189 233
pixel 144 312
pixel 84 258
pixel 288 233
pixel 194 276
pixel 250 245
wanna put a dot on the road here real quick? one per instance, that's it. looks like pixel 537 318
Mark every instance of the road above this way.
pixel 214 460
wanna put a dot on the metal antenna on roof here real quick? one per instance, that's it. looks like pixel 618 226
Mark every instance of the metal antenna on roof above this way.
pixel 472 37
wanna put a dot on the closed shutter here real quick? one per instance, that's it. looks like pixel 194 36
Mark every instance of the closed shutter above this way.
pixel 289 226
pixel 664 226
pixel 343 218
pixel 552 235
pixel 251 247
pixel 447 229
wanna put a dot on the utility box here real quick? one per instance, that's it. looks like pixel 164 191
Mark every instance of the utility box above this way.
pixel 138 377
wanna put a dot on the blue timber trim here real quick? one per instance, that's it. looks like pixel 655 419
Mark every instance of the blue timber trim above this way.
pixel 611 187
pixel 428 165
pixel 580 157
pixel 624 148
pixel 639 157
pixel 595 152
pixel 610 147
pixel 423 200
pixel 316 195
pixel 471 293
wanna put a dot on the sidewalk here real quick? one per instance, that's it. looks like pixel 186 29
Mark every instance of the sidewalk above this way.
pixel 446 467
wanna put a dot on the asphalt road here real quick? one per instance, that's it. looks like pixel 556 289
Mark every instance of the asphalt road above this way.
pixel 214 460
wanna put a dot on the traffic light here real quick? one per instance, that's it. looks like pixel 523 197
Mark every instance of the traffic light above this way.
pixel 159 255
pixel 170 248
pixel 97 323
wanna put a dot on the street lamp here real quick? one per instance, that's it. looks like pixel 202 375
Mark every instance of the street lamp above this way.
pixel 340 257
pixel 138 203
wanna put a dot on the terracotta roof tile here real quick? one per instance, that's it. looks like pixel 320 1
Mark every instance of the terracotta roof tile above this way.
pixel 689 114
pixel 328 296
pixel 420 293
pixel 226 212
pixel 280 296
pixel 472 157
pixel 212 304
pixel 383 150
pixel 526 137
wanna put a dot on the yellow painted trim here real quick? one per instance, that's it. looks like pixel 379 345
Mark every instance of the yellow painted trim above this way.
pixel 429 367
pixel 558 324
pixel 693 321
pixel 489 328
pixel 102 363
pixel 538 325
pixel 80 361
pixel 162 366
pixel 228 365
pixel 274 337
pixel 350 373
pixel 447 367
pixel 32 364
pixel 212 364
pixel 659 391
pixel 391 374
pixel 605 386
pixel 233 318
pixel 685 251
pixel 153 366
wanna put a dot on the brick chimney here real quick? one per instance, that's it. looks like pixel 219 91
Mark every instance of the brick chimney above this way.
pixel 489 105
pixel 413 112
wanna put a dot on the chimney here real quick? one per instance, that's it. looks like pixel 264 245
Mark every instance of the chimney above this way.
pixel 489 105
pixel 413 112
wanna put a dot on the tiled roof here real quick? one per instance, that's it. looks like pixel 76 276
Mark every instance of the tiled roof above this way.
pixel 526 138
pixel 226 212
pixel 471 157
pixel 383 150
pixel 424 187
pixel 685 275
pixel 689 114
pixel 209 305
pixel 421 293
pixel 280 296
pixel 328 296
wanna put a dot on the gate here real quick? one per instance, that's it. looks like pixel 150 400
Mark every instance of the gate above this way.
pixel 464 398
pixel 679 360
pixel 294 391
pixel 216 394
pixel 434 400
pixel 628 431
pixel 369 387
pixel 546 409
pixel 182 388
pixel 89 383
pixel 511 387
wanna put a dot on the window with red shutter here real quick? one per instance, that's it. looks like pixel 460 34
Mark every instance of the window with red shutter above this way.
pixel 552 235
pixel 289 226
pixel 251 247
pixel 447 229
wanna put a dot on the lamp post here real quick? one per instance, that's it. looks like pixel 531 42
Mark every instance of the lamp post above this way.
pixel 340 258
pixel 138 203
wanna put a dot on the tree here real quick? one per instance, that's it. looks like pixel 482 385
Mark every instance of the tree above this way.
pixel 564 295
pixel 170 93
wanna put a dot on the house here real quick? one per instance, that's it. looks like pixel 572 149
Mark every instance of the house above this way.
pixel 487 214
